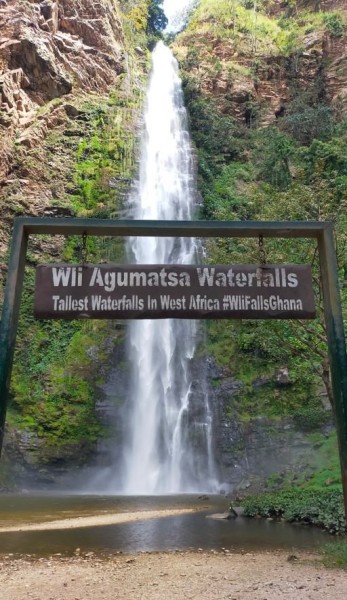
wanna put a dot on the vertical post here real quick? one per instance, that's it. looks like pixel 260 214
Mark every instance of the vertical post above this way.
pixel 10 314
pixel 336 342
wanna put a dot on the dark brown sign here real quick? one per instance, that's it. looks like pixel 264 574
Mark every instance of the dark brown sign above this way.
pixel 66 291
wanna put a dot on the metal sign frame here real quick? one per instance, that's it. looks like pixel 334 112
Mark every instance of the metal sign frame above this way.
pixel 321 231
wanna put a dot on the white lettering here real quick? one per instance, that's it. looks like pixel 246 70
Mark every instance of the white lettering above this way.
pixel 61 276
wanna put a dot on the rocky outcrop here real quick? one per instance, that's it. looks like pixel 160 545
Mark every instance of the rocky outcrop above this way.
pixel 54 54
pixel 249 452
pixel 47 50
pixel 33 465
pixel 336 72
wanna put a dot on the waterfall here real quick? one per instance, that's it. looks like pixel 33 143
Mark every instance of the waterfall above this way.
pixel 168 446
pixel 177 12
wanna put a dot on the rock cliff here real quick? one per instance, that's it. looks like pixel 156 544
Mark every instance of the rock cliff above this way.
pixel 53 55
pixel 71 83
pixel 254 78
pixel 252 68
pixel 48 50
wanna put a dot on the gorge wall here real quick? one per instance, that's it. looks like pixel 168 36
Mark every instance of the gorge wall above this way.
pixel 52 55
pixel 266 90
pixel 72 77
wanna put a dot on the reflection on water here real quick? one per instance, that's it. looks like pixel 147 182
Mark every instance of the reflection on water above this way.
pixel 191 531
pixel 45 507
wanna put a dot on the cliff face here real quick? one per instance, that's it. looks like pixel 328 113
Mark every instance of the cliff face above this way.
pixel 48 50
pixel 53 55
pixel 253 65
pixel 266 93
pixel 71 83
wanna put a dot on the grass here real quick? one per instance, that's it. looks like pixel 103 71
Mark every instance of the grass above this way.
pixel 335 554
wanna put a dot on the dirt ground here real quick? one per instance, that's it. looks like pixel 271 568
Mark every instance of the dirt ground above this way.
pixel 166 576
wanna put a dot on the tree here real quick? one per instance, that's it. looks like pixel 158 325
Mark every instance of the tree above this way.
pixel 272 154
pixel 157 20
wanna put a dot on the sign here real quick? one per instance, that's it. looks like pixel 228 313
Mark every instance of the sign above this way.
pixel 104 291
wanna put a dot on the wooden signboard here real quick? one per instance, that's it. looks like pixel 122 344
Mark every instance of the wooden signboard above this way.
pixel 65 291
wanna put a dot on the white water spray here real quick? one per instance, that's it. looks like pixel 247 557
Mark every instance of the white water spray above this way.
pixel 177 12
pixel 170 430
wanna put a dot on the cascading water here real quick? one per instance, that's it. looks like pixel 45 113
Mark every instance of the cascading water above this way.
pixel 169 446
pixel 177 12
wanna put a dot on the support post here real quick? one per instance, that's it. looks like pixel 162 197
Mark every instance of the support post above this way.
pixel 336 342
pixel 10 314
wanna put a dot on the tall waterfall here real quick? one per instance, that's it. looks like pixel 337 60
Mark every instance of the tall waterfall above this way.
pixel 170 425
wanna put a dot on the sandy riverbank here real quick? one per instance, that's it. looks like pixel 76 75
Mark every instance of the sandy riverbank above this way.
pixel 95 520
pixel 171 576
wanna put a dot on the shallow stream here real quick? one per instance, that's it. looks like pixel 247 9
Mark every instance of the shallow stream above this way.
pixel 187 531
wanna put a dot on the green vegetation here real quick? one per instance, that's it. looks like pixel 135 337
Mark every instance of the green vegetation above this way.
pixel 334 24
pixel 144 20
pixel 58 363
pixel 313 497
pixel 157 20
pixel 293 169
pixel 322 508
pixel 253 29
pixel 335 555
pixel 258 164
pixel 322 470
pixel 104 155
pixel 54 376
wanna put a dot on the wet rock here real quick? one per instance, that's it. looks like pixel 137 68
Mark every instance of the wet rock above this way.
pixel 282 377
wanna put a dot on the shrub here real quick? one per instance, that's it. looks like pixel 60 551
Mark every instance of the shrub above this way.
pixel 323 508
pixel 309 418
pixel 334 24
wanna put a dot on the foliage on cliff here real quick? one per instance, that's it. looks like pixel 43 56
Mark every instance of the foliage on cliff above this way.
pixel 267 109
pixel 80 163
